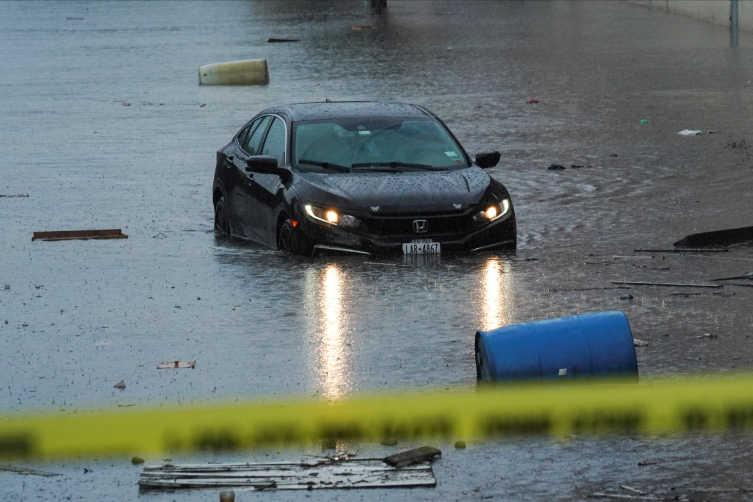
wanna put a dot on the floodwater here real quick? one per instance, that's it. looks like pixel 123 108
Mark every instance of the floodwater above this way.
pixel 82 315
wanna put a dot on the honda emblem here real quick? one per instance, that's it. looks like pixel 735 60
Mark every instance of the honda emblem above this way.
pixel 420 226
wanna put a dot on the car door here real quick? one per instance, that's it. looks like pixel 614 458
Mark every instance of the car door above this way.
pixel 244 194
pixel 268 185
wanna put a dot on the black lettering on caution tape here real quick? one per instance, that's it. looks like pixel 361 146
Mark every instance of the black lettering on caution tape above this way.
pixel 504 425
pixel 15 445
pixel 604 421
pixel 696 419
pixel 438 426
pixel 740 417
pixel 216 440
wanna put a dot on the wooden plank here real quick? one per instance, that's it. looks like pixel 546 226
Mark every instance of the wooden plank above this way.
pixel 176 364
pixel 749 275
pixel 350 473
pixel 221 466
pixel 668 284
pixel 411 457
pixel 28 472
pixel 688 250
pixel 66 235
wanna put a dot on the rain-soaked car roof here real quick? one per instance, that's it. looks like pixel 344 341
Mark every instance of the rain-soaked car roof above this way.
pixel 347 109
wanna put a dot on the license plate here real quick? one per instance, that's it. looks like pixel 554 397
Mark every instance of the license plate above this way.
pixel 421 246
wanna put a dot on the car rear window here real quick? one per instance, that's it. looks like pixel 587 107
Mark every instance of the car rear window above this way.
pixel 374 144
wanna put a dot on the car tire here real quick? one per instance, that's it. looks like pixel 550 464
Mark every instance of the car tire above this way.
pixel 221 222
pixel 289 241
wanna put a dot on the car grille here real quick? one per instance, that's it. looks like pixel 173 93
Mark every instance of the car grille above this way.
pixel 403 225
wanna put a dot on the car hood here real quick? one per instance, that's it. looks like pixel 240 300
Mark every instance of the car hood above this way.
pixel 406 191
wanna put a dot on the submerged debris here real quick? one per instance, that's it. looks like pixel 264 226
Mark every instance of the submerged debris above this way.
pixel 717 238
pixel 626 497
pixel 667 284
pixel 749 275
pixel 714 250
pixel 634 490
pixel 411 457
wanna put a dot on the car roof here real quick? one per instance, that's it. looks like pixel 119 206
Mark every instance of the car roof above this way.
pixel 347 109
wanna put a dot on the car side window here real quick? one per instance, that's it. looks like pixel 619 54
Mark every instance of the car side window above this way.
pixel 253 140
pixel 274 145
pixel 244 135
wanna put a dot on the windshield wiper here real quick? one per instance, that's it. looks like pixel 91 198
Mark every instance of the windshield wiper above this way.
pixel 397 164
pixel 326 165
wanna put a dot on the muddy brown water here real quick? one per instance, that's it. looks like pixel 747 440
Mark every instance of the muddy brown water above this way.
pixel 83 315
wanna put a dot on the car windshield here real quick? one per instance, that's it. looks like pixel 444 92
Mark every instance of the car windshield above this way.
pixel 375 145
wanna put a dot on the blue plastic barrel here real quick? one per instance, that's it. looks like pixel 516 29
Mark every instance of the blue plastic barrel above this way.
pixel 580 346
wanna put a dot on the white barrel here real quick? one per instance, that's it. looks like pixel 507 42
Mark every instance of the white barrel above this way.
pixel 249 72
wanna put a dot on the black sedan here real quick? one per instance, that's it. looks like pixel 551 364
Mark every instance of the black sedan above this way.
pixel 358 177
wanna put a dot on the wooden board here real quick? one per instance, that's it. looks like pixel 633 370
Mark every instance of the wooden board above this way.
pixel 67 235
pixel 176 364
pixel 667 284
pixel 411 457
pixel 315 475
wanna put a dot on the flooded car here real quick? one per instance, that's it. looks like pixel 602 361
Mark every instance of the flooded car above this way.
pixel 358 177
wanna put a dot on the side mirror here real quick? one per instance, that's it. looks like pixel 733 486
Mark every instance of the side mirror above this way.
pixel 265 164
pixel 485 160
pixel 261 164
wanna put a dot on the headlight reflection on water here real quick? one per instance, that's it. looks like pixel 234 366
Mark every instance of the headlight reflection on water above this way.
pixel 331 353
pixel 496 287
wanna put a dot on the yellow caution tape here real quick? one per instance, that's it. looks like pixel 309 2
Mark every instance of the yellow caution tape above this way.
pixel 652 407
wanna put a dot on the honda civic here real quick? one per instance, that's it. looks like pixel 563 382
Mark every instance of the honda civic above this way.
pixel 359 177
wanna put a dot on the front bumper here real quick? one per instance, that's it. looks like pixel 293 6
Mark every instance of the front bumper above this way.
pixel 501 234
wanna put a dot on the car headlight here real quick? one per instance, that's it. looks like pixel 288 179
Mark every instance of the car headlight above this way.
pixel 332 216
pixel 493 212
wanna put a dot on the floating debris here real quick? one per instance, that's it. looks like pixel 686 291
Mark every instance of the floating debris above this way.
pixel 176 364
pixel 667 284
pixel 412 457
pixel 323 474
pixel 67 235
pixel 27 472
